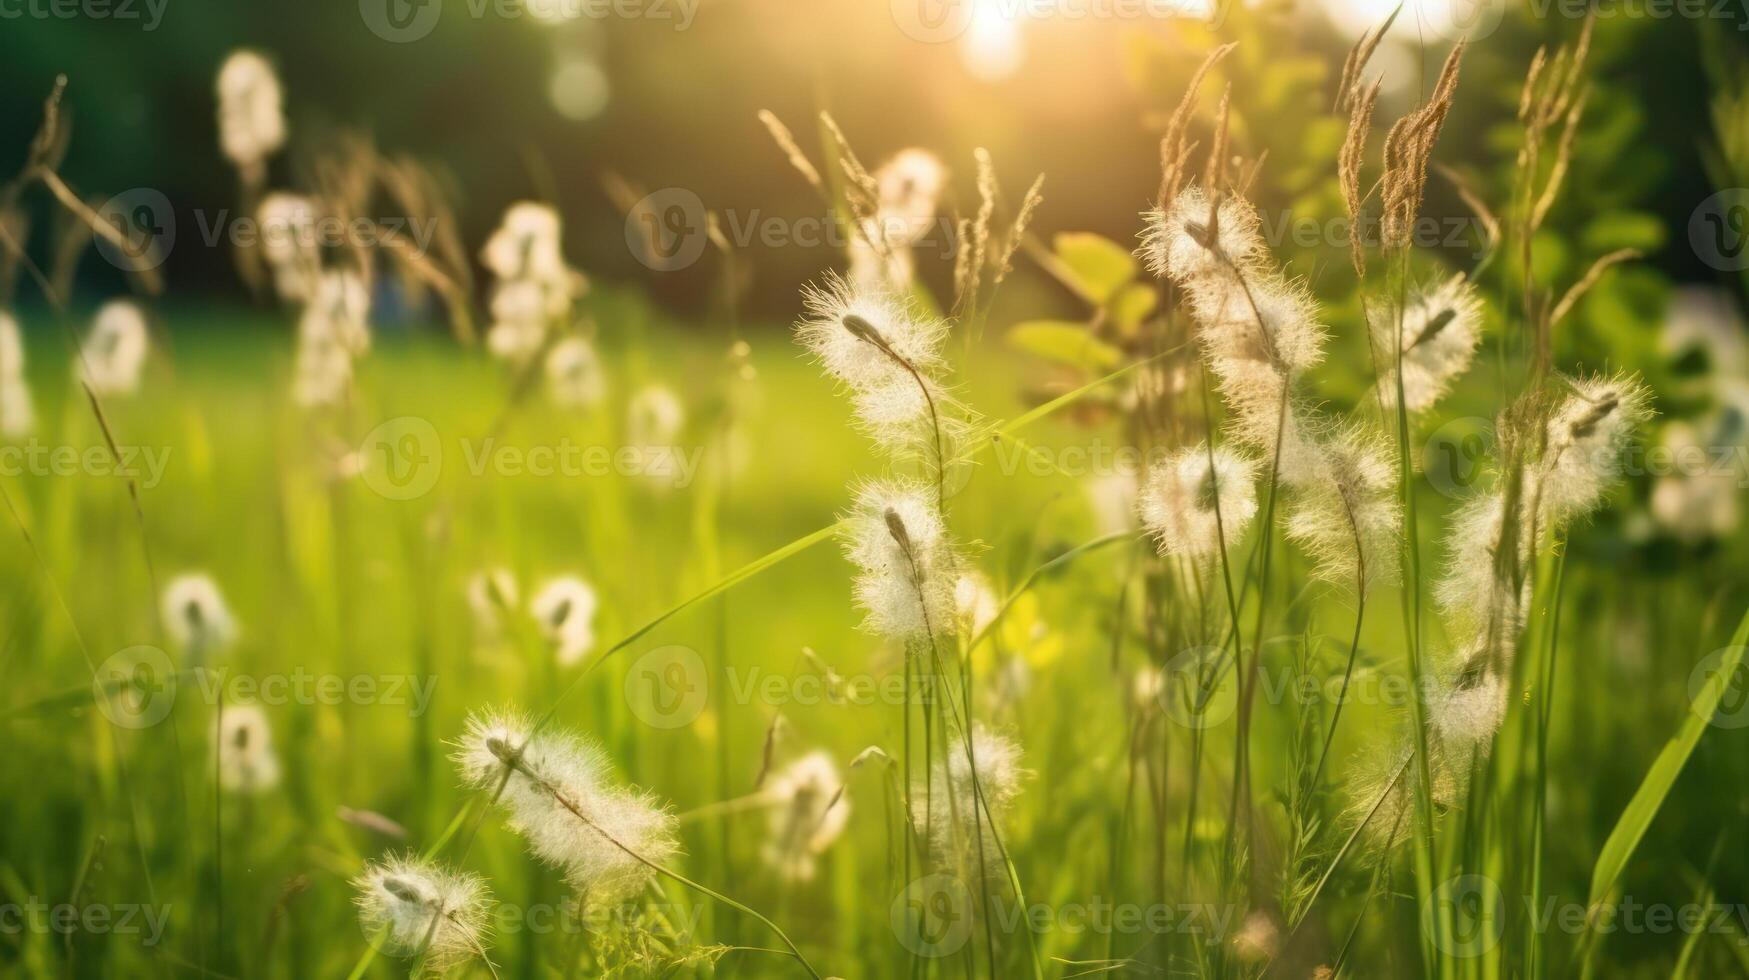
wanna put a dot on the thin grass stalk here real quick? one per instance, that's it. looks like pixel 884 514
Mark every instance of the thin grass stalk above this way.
pixel 1535 965
pixel 1425 859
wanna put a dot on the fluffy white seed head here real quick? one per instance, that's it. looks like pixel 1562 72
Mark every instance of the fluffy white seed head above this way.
pixel 562 798
pixel 1178 242
pixel 492 596
pixel 526 245
pixel 1695 505
pixel 1476 593
pixel 976 602
pixel 1192 508
pixel 339 311
pixel 17 410
pixel 1112 497
pixel 864 338
pixel 322 371
pixel 1346 517
pixel 115 351
pixel 246 759
pixel 289 245
pixel 196 616
pixel 565 610
pixel 875 269
pixel 952 822
pixel 908 187
pixel 416 909
pixel 251 113
pixel 1467 712
pixel 655 422
pixel 809 810
pixel 575 379
pixel 907 566
pixel 1586 437
pixel 1440 330
pixel 1256 316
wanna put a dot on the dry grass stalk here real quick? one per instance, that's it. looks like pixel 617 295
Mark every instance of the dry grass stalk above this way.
pixel 1358 58
pixel 1173 152
pixel 1592 275
pixel 1408 147
pixel 1349 161
pixel 1466 192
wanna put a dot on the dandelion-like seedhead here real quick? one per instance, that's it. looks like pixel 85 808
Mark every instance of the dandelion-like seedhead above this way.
pixel 655 417
pixel 417 909
pixel 1256 315
pixel 952 822
pixel 909 186
pixel 535 287
pixel 1440 330
pixel 112 356
pixel 492 594
pixel 1586 438
pixel 872 268
pixel 526 245
pixel 196 616
pixel 809 811
pixel 246 759
pixel 655 421
pixel 575 379
pixel 1190 239
pixel 1112 499
pixel 17 410
pixel 908 568
pixel 1258 939
pixel 565 608
pixel 340 310
pixel 975 602
pixel 561 797
pixel 289 245
pixel 866 338
pixel 1475 596
pixel 1192 508
pixel 321 371
pixel 1467 711
pixel 251 111
pixel 1345 512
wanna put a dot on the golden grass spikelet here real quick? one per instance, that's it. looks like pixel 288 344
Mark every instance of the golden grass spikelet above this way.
pixel 1173 151
pixel 1408 147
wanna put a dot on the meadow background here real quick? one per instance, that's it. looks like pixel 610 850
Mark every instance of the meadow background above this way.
pixel 334 569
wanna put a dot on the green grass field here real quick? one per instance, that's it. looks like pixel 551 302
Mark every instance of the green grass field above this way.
pixel 353 612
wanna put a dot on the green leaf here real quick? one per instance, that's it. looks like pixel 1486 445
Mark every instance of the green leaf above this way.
pixel 1662 776
pixel 1064 342
pixel 1099 265
pixel 1131 306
